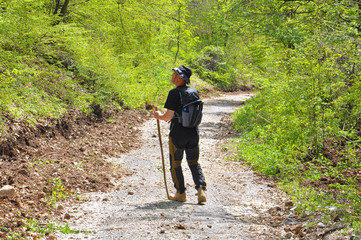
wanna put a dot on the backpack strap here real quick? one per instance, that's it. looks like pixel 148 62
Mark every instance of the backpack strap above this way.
pixel 180 94
pixel 176 115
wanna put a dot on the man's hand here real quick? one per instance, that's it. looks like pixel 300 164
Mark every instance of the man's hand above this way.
pixel 167 116
pixel 157 114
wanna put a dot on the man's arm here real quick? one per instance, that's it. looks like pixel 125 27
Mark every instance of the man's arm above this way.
pixel 167 116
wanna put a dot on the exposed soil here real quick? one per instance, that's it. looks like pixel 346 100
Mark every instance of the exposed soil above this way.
pixel 334 152
pixel 66 156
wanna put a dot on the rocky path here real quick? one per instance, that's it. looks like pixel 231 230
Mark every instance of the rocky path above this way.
pixel 241 205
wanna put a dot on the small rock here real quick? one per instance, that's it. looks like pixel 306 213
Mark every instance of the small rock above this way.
pixel 7 191
pixel 209 226
pixel 332 208
pixel 303 232
pixel 290 220
pixel 293 209
pixel 288 235
pixel 296 229
pixel 320 225
pixel 67 216
pixel 105 199
pixel 41 195
pixel 130 193
pixel 21 222
pixel 271 185
pixel 181 226
pixel 24 172
pixel 19 203
pixel 162 231
pixel 60 208
pixel 289 204
pixel 274 209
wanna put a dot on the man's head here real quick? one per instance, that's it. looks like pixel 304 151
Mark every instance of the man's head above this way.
pixel 183 72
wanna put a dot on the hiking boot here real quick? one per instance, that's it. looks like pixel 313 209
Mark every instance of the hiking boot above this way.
pixel 180 197
pixel 201 195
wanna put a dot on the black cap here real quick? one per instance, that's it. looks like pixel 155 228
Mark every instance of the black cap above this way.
pixel 184 73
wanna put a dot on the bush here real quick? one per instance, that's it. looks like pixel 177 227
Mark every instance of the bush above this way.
pixel 212 66
pixel 303 127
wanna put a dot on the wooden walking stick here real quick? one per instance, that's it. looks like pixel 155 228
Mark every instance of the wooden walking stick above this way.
pixel 161 149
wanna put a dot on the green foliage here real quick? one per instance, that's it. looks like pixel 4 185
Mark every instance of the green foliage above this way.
pixel 99 52
pixel 67 230
pixel 211 65
pixel 41 230
pixel 34 226
pixel 56 191
pixel 304 60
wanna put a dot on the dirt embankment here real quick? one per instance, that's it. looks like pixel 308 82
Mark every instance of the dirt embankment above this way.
pixel 61 159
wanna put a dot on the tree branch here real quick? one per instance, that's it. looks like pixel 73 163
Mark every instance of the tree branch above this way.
pixel 268 121
pixel 179 32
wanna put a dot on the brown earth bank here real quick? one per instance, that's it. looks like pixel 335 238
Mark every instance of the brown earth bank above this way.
pixel 58 160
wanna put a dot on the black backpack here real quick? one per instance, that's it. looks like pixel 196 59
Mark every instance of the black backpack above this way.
pixel 192 107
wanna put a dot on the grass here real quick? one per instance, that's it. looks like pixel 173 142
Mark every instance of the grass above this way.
pixel 41 230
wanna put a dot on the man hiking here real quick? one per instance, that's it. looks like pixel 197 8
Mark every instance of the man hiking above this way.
pixel 182 139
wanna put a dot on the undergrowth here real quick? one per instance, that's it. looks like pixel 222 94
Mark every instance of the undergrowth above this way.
pixel 41 230
pixel 323 178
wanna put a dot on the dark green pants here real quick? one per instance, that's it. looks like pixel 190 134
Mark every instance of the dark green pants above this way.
pixel 177 147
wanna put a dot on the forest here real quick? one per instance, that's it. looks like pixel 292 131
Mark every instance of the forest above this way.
pixel 301 58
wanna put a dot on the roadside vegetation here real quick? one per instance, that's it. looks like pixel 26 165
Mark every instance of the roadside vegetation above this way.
pixel 303 126
pixel 95 52
pixel 302 58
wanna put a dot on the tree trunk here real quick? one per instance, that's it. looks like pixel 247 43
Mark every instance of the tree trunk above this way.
pixel 64 8
pixel 179 33
pixel 57 6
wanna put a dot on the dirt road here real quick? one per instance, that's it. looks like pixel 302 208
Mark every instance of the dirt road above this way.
pixel 241 205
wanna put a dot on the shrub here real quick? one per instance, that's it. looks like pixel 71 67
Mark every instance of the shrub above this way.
pixel 212 66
